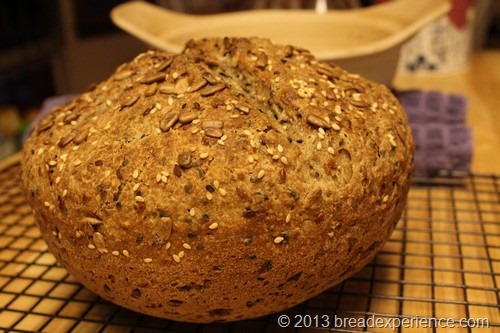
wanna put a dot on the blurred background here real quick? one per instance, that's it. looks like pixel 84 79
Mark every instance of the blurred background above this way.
pixel 59 47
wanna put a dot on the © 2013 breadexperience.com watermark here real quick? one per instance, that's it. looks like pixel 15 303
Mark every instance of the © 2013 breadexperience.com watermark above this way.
pixel 415 322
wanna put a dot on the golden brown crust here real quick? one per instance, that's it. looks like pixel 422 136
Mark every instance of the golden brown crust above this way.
pixel 228 182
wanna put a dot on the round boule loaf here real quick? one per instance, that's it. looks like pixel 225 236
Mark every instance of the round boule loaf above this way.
pixel 233 180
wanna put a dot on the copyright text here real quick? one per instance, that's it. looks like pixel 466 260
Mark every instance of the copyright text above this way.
pixel 334 321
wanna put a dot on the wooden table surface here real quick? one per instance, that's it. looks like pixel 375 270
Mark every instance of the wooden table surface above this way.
pixel 480 83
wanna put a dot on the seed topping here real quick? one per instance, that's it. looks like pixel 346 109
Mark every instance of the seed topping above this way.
pixel 209 77
pixel 185 160
pixel 210 90
pixel 177 170
pixel 65 140
pixel 123 75
pixel 214 133
pixel 151 89
pixel 261 61
pixel 197 85
pixel 45 125
pixel 81 136
pixel 181 86
pixel 167 88
pixel 324 69
pixel 91 220
pixel 317 121
pixel 282 175
pixel 243 108
pixel 187 117
pixel 278 240
pixel 205 124
pixel 98 239
pixel 153 78
pixel 356 101
pixel 391 139
pixel 130 101
pixel 169 121
pixel 164 65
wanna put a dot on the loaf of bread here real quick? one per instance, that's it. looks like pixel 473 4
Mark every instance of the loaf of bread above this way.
pixel 234 180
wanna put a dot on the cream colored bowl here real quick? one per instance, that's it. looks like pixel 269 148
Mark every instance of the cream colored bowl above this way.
pixel 366 41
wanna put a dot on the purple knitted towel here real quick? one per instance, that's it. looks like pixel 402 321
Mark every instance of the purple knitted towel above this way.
pixel 442 140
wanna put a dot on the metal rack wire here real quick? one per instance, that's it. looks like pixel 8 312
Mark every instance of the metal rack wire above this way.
pixel 442 262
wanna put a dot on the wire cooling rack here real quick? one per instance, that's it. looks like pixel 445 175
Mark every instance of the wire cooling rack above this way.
pixel 441 263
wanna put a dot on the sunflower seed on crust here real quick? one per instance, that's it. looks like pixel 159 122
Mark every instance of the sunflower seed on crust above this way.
pixel 187 117
pixel 167 88
pixel 315 120
pixel 358 103
pixel 81 136
pixel 210 90
pixel 72 116
pixel 181 86
pixel 206 124
pixel 130 101
pixel 45 125
pixel 169 121
pixel 151 89
pixel 325 69
pixel 214 133
pixel 65 140
pixel 153 78
pixel 243 108
pixel 123 75
pixel 209 77
pixel 164 65
pixel 197 85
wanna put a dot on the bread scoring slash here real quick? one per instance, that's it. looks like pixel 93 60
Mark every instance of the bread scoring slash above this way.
pixel 234 180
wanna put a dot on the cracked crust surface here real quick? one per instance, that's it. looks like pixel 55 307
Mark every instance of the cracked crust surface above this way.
pixel 230 181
